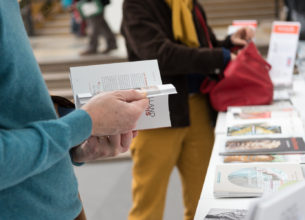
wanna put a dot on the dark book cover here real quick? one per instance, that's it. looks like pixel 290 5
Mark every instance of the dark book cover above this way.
pixel 286 145
pixel 226 214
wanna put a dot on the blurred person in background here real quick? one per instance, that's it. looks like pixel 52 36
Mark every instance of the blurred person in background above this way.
pixel 176 33
pixel 37 148
pixel 98 25
pixel 296 12
pixel 78 24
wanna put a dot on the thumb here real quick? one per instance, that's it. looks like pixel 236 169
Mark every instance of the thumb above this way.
pixel 132 95
pixel 240 42
pixel 142 104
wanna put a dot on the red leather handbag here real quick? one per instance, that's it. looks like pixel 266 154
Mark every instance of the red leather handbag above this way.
pixel 246 81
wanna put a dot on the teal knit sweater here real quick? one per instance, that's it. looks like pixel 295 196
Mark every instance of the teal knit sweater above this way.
pixel 36 175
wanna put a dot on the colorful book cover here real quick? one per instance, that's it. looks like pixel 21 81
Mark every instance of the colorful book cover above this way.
pixel 254 129
pixel 252 180
pixel 285 145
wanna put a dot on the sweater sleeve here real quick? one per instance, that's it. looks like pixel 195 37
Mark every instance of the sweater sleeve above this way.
pixel 36 147
pixel 148 37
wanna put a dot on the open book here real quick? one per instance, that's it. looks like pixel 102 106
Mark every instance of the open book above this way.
pixel 88 81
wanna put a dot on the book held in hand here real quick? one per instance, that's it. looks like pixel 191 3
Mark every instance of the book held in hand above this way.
pixel 88 81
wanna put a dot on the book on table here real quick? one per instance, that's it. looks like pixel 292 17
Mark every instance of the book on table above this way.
pixel 255 179
pixel 282 205
pixel 226 214
pixel 295 158
pixel 270 121
pixel 263 134
pixel 274 111
pixel 262 146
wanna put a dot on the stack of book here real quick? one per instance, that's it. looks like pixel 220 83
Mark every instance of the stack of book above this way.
pixel 263 134
pixel 260 134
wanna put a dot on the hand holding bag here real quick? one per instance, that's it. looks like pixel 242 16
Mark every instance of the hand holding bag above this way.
pixel 246 81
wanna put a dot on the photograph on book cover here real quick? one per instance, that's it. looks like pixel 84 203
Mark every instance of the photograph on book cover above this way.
pixel 254 129
pixel 259 146
pixel 226 214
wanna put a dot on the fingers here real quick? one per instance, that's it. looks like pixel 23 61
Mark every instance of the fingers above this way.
pixel 134 134
pixel 132 95
pixel 141 104
pixel 243 36
pixel 250 33
pixel 233 56
pixel 103 146
pixel 115 112
pixel 114 142
pixel 241 42
pixel 126 140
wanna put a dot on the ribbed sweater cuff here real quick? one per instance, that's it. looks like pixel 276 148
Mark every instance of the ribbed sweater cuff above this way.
pixel 80 125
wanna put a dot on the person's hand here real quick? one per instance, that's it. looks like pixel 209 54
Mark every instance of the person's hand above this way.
pixel 100 147
pixel 242 36
pixel 115 112
pixel 233 56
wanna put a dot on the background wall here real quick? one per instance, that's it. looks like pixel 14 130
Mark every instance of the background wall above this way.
pixel 113 15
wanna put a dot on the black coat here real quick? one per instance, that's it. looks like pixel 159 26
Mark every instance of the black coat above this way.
pixel 147 28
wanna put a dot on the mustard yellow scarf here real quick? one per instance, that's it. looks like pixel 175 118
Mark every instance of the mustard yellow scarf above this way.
pixel 182 21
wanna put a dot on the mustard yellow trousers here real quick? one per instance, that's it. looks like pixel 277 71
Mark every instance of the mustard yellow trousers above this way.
pixel 156 152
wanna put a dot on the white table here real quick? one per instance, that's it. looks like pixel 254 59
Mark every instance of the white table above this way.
pixel 207 199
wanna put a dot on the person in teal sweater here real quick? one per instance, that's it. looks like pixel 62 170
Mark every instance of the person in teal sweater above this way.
pixel 36 174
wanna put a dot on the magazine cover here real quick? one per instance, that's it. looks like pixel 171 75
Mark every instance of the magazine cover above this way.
pixel 226 214
pixel 254 129
pixel 252 180
pixel 258 146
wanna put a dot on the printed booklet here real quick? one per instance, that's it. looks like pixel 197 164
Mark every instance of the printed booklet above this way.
pixel 263 146
pixel 253 180
pixel 280 120
pixel 295 158
pixel 88 81
pixel 226 214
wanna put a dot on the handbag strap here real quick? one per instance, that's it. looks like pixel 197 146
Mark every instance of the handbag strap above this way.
pixel 207 85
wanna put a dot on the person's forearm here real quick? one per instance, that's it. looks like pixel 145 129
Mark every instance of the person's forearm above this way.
pixel 28 151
